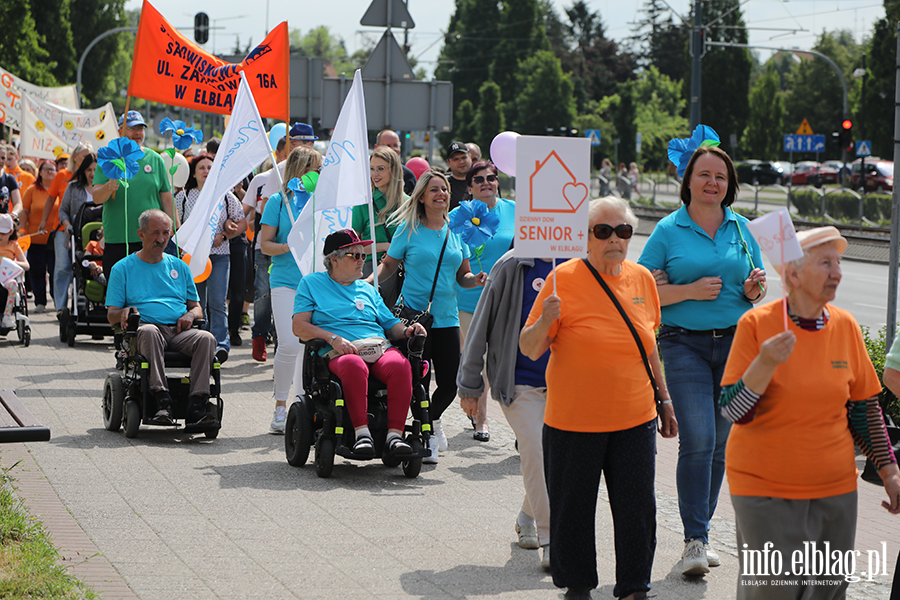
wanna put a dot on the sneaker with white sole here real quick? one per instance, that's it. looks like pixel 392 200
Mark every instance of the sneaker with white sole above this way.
pixel 712 557
pixel 439 434
pixel 432 459
pixel 8 322
pixel 693 559
pixel 545 557
pixel 277 426
pixel 528 538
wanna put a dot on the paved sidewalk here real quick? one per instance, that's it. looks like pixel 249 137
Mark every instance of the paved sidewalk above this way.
pixel 177 516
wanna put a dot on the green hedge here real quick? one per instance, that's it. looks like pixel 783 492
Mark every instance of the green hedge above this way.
pixel 876 346
pixel 841 205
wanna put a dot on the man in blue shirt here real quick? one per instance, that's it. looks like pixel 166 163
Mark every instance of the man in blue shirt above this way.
pixel 159 287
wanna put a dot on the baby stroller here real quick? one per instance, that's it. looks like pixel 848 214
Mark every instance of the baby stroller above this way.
pixel 19 312
pixel 86 312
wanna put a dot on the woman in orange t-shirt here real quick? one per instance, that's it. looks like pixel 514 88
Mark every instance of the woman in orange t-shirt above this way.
pixel 9 248
pixel 64 175
pixel 605 425
pixel 41 260
pixel 799 399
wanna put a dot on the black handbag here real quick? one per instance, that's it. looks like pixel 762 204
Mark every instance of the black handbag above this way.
pixel 423 317
pixel 634 332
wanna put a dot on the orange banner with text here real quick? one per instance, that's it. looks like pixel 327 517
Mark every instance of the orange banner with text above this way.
pixel 169 68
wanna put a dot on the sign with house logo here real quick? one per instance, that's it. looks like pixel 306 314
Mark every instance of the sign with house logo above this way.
pixel 552 196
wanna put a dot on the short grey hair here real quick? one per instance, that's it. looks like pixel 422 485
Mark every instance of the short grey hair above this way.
pixel 795 266
pixel 144 219
pixel 613 204
pixel 337 254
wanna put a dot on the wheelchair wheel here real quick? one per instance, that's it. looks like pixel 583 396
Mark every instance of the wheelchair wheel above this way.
pixel 211 434
pixel 26 337
pixel 63 322
pixel 298 434
pixel 389 460
pixel 324 457
pixel 113 400
pixel 132 419
pixel 413 466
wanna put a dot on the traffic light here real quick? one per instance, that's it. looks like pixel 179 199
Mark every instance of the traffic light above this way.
pixel 847 135
pixel 201 28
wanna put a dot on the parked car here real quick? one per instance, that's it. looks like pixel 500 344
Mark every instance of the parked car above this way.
pixel 879 175
pixel 804 173
pixel 757 172
pixel 834 170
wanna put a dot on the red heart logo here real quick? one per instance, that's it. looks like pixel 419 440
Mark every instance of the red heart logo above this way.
pixel 575 194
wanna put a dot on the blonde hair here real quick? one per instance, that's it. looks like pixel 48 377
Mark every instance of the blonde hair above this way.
pixel 412 211
pixel 299 162
pixel 82 147
pixel 394 195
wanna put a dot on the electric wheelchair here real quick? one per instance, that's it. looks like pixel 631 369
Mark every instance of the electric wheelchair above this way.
pixel 319 417
pixel 128 401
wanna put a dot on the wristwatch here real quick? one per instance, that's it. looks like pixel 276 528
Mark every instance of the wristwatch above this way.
pixel 333 337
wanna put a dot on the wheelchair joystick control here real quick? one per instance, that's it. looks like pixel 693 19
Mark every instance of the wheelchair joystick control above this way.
pixel 134 320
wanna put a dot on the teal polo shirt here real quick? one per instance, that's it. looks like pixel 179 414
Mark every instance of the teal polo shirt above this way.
pixel 686 253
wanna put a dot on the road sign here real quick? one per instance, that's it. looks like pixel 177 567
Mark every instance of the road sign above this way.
pixel 804 143
pixel 864 148
pixel 380 14
pixel 804 128
pixel 593 135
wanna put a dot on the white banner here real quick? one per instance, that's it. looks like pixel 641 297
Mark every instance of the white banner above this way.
pixel 49 130
pixel 244 147
pixel 553 177
pixel 11 89
pixel 343 183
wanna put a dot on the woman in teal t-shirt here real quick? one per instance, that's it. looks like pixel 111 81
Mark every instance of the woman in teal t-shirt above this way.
pixel 418 241
pixel 284 276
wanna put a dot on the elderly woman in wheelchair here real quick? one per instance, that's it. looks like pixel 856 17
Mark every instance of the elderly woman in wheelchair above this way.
pixel 340 308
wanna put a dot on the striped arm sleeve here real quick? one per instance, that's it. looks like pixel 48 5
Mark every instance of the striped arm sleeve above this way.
pixel 866 425
pixel 738 403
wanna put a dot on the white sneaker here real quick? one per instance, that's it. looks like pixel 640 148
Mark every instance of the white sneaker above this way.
pixel 693 559
pixel 711 556
pixel 277 426
pixel 439 434
pixel 433 446
pixel 528 538
pixel 8 322
pixel 545 557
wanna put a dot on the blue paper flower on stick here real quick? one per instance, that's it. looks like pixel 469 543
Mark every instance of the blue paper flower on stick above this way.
pixel 475 223
pixel 681 151
pixel 182 135
pixel 300 194
pixel 119 159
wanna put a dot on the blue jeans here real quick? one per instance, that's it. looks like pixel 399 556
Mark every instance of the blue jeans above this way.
pixel 62 272
pixel 694 365
pixel 262 304
pixel 212 299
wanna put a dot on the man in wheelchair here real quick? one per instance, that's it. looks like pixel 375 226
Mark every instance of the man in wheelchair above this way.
pixel 159 288
pixel 337 306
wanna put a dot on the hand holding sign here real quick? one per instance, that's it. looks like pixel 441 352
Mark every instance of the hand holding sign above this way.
pixel 774 232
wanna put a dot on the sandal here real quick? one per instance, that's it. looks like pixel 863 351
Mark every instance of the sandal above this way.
pixel 398 447
pixel 481 436
pixel 364 446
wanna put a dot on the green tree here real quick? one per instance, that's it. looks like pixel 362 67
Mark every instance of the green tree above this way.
pixel 464 123
pixel 624 117
pixel 765 123
pixel 545 100
pixel 20 50
pixel 522 35
pixel 489 120
pixel 598 115
pixel 321 43
pixel 107 67
pixel 663 43
pixel 51 18
pixel 659 108
pixel 881 60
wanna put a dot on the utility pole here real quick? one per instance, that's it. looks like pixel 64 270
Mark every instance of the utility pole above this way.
pixel 696 55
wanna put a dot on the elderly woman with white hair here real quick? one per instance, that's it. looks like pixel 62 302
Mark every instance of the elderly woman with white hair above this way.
pixel 799 398
pixel 602 317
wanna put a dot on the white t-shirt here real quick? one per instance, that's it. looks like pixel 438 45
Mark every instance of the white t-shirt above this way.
pixel 253 197
pixel 272 185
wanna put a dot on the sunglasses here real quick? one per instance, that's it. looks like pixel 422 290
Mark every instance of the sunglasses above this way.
pixel 479 179
pixel 356 256
pixel 602 231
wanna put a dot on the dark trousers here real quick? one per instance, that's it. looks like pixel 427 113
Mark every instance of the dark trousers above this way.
pixel 113 253
pixel 41 259
pixel 573 462
pixel 442 349
pixel 237 285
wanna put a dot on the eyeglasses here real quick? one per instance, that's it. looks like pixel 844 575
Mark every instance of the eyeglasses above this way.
pixel 479 179
pixel 602 231
pixel 356 255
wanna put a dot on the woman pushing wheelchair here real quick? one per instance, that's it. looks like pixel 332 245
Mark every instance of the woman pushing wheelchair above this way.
pixel 349 314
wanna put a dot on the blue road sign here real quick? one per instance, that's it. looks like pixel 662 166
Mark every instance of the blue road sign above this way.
pixel 804 143
pixel 593 135
pixel 864 148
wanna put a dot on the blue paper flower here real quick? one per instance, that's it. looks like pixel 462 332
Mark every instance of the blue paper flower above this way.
pixel 681 151
pixel 182 135
pixel 474 222
pixel 300 194
pixel 119 159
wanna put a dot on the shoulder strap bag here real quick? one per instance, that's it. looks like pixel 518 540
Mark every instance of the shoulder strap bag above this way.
pixel 628 322
pixel 424 317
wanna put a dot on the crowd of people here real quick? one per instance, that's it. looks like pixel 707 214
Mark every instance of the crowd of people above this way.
pixel 748 395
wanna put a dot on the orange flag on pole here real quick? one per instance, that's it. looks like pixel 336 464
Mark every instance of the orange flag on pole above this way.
pixel 169 68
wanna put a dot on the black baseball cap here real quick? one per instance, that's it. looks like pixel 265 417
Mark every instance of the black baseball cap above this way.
pixel 456 147
pixel 343 239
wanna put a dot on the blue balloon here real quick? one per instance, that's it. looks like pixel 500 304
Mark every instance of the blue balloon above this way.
pixel 278 131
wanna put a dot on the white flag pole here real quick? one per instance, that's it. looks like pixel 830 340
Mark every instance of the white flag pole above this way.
pixel 374 243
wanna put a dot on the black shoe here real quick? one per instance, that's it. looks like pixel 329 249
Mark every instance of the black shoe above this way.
pixel 364 446
pixel 236 339
pixel 163 415
pixel 578 594
pixel 196 410
pixel 398 447
pixel 483 436
pixel 221 355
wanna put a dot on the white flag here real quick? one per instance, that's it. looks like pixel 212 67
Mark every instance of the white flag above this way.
pixel 48 130
pixel 343 183
pixel 244 147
